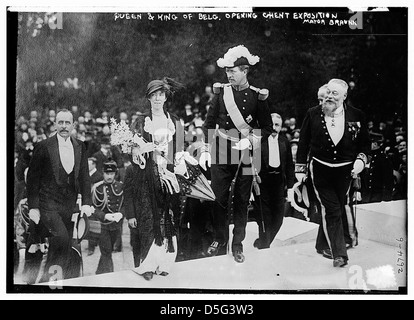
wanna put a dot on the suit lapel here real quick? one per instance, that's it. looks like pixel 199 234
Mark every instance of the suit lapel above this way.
pixel 77 150
pixel 282 150
pixel 265 152
pixel 53 148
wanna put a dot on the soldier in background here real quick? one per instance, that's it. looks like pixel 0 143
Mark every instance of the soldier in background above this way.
pixel 377 180
pixel 108 197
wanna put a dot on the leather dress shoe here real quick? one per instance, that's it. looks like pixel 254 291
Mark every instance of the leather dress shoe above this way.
pixel 238 256
pixel 148 275
pixel 326 253
pixel 340 262
pixel 214 249
pixel 259 245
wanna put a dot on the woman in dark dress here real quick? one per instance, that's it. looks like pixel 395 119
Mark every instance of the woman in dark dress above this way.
pixel 152 192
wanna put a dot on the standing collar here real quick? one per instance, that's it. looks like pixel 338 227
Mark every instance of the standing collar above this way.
pixel 241 87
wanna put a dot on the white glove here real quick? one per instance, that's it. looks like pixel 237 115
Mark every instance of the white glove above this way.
pixel 132 223
pixel 290 195
pixel 358 167
pixel 34 215
pixel 300 176
pixel 243 144
pixel 205 157
pixel 110 217
pixel 85 209
pixel 118 216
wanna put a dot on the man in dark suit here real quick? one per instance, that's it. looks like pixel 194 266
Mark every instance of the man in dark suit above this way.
pixel 277 173
pixel 336 135
pixel 95 175
pixel 58 172
pixel 106 153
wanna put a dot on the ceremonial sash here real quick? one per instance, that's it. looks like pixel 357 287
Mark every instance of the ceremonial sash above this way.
pixel 234 112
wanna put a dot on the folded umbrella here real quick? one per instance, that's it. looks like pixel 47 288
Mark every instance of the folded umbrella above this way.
pixel 194 184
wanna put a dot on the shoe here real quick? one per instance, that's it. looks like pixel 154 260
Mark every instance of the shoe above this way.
pixel 148 275
pixel 349 246
pixel 340 262
pixel 326 253
pixel 214 249
pixel 238 256
pixel 258 244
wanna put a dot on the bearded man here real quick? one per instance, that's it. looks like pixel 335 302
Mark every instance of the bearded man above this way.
pixel 336 138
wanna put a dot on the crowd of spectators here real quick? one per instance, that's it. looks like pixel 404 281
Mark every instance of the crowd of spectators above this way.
pixel 94 131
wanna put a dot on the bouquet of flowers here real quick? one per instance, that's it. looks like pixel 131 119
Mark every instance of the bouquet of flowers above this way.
pixel 130 142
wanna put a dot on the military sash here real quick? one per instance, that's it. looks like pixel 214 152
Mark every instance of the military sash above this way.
pixel 234 112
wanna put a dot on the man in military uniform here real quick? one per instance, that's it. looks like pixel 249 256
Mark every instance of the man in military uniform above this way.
pixel 108 197
pixel 241 114
pixel 337 137
pixel 377 181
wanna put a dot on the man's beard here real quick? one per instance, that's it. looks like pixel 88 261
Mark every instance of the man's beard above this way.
pixel 329 108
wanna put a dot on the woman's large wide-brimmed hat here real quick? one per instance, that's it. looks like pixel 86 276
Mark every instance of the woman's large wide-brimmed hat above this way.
pixel 168 85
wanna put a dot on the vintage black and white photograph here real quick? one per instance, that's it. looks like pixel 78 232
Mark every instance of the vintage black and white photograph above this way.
pixel 207 150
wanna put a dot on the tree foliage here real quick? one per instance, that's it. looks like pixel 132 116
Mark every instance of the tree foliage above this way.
pixel 99 63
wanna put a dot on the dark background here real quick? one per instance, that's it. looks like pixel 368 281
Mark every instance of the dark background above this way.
pixel 114 60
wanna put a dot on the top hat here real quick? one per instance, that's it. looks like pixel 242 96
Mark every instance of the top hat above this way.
pixel 81 227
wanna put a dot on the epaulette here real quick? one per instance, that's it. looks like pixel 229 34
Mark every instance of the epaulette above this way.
pixel 263 93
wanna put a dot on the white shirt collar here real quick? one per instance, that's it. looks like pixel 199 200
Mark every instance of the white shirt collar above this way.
pixel 339 110
pixel 273 138
pixel 61 140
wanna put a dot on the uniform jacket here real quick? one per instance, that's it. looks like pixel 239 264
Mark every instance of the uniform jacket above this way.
pixel 286 161
pixel 378 179
pixel 43 182
pixel 254 110
pixel 115 198
pixel 314 138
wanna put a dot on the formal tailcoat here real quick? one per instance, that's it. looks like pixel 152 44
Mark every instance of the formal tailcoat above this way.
pixel 47 181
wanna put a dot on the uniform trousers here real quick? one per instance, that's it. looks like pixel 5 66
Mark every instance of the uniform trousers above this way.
pixel 221 177
pixel 106 243
pixel 332 187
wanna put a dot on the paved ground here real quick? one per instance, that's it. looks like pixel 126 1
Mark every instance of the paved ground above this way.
pixel 293 266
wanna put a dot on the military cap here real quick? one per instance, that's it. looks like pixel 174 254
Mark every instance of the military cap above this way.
pixel 110 166
pixel 376 137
